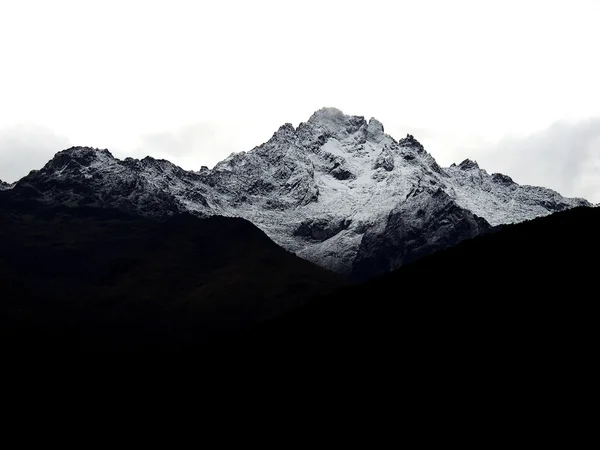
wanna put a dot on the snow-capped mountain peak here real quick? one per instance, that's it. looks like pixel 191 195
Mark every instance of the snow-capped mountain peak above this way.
pixel 337 190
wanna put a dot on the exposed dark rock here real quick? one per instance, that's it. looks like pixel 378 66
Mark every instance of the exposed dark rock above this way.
pixel 410 141
pixel 321 229
pixel 342 174
pixel 336 166
pixel 385 161
pixel 468 164
pixel 427 222
pixel 502 179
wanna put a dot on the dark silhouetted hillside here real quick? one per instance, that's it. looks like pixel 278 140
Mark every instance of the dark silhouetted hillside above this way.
pixel 100 278
pixel 507 299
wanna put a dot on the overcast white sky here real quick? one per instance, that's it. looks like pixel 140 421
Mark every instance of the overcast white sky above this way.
pixel 512 84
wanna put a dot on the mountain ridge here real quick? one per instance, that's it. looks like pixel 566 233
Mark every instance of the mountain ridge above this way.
pixel 317 190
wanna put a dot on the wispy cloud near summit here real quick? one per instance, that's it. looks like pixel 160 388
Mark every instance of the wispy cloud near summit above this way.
pixel 26 147
pixel 565 157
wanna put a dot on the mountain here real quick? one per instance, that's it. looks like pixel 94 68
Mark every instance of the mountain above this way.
pixel 4 186
pixel 336 191
pixel 99 278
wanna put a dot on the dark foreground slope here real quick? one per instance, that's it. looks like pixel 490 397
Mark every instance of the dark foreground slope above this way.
pixel 526 292
pixel 100 278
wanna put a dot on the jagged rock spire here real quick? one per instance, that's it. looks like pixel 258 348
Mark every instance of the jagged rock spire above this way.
pixel 468 164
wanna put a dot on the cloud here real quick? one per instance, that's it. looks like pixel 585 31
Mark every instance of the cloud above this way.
pixel 203 143
pixel 25 147
pixel 180 143
pixel 564 157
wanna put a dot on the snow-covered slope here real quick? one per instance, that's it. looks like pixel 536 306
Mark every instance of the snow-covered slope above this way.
pixel 499 199
pixel 336 190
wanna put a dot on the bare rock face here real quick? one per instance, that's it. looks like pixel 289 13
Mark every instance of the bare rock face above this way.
pixel 335 190
pixel 426 222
